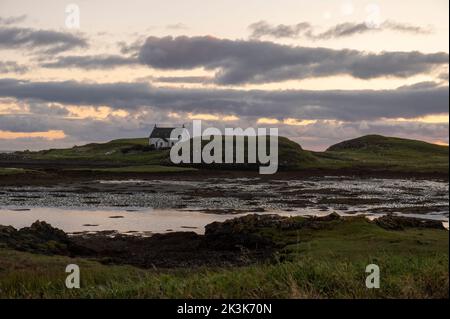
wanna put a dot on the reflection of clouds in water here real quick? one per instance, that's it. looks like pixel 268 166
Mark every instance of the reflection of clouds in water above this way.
pixel 143 222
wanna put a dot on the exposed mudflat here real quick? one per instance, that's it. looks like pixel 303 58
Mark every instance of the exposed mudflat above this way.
pixel 134 205
pixel 239 195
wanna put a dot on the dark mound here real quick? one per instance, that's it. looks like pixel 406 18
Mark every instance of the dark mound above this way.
pixel 374 143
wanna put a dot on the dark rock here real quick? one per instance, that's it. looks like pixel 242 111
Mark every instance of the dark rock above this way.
pixel 392 222
pixel 241 232
pixel 44 232
pixel 327 218
pixel 6 232
pixel 41 238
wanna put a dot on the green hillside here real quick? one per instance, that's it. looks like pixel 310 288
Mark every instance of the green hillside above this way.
pixel 367 153
pixel 389 153
pixel 137 151
pixel 388 145
pixel 120 151
pixel 290 155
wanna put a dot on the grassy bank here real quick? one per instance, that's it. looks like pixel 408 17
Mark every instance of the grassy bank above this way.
pixel 320 263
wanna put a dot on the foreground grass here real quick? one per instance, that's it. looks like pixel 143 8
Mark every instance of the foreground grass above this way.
pixel 328 263
pixel 34 276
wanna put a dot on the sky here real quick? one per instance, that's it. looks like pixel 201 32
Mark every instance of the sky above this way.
pixel 74 72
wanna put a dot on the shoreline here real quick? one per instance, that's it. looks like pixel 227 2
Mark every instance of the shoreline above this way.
pixel 238 241
pixel 53 176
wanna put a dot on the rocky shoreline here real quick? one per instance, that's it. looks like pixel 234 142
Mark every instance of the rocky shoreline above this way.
pixel 236 242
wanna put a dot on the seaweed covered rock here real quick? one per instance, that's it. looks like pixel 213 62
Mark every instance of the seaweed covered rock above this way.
pixel 40 237
pixel 43 231
pixel 242 231
pixel 248 231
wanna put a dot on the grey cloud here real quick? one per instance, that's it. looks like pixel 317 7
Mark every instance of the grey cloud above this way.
pixel 420 85
pixel 130 48
pixel 260 62
pixel 344 30
pixel 307 30
pixel 444 76
pixel 71 92
pixel 262 28
pixel 404 27
pixel 349 29
pixel 184 79
pixel 90 62
pixel 12 20
pixel 12 67
pixel 48 109
pixel 333 104
pixel 44 41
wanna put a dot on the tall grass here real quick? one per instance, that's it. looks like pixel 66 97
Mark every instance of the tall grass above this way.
pixel 44 277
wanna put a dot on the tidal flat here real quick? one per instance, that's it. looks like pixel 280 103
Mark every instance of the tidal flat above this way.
pixel 162 205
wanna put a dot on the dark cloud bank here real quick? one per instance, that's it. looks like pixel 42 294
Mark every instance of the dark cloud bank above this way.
pixel 350 105
pixel 260 62
pixel 43 41
pixel 239 61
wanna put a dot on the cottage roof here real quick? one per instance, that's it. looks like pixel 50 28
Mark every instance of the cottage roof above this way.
pixel 161 132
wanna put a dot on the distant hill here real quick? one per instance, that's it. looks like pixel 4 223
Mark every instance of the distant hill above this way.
pixel 290 155
pixel 383 144
pixel 137 150
pixel 376 152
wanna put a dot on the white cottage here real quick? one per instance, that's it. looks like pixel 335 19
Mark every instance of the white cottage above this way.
pixel 160 137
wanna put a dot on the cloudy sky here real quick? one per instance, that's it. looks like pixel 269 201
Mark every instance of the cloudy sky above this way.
pixel 321 71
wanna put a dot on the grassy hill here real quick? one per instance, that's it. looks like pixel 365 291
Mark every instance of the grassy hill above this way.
pixel 290 155
pixel 136 151
pixel 367 153
pixel 379 144
pixel 120 151
pixel 389 153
